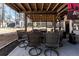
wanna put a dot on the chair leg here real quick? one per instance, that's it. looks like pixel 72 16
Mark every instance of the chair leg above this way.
pixel 35 51
pixel 51 51
pixel 26 46
pixel 23 44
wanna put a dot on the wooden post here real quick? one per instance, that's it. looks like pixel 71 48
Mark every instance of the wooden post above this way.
pixel 46 23
pixel 32 22
pixel 54 23
pixel 59 24
pixel 25 22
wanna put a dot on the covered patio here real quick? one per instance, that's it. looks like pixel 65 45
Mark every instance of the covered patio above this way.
pixel 44 31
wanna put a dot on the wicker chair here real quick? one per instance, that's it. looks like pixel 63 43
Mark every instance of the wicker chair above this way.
pixel 52 42
pixel 34 41
pixel 22 38
pixel 61 38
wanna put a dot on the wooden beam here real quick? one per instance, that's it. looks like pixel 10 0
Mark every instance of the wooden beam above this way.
pixel 35 7
pixel 42 6
pixel 55 6
pixel 22 7
pixel 60 8
pixel 11 6
pixel 48 7
pixel 41 12
pixel 25 19
pixel 15 6
pixel 29 6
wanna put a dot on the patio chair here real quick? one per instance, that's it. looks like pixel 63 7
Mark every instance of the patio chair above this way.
pixel 61 38
pixel 52 42
pixel 22 38
pixel 34 41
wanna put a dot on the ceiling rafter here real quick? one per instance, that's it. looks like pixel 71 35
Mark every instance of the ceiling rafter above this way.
pixel 62 10
pixel 12 7
pixel 42 6
pixel 29 6
pixel 20 7
pixel 35 7
pixel 55 6
pixel 20 4
pixel 48 7
pixel 61 7
pixel 40 12
pixel 15 6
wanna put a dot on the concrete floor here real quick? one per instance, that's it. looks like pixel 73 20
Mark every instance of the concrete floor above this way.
pixel 67 50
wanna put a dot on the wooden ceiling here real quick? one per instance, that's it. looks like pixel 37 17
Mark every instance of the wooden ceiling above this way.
pixel 38 7
pixel 55 9
pixel 42 17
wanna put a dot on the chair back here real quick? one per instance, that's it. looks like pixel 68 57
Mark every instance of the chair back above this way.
pixel 52 39
pixel 21 34
pixel 34 38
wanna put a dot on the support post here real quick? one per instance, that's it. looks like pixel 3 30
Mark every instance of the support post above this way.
pixel 46 22
pixel 54 24
pixel 25 22
pixel 59 24
pixel 32 23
